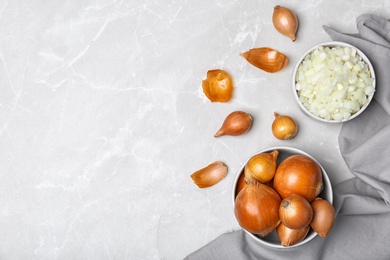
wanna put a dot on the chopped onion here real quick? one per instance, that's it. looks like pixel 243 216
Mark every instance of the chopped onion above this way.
pixel 334 83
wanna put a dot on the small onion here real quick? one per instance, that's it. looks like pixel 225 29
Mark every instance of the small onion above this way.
pixel 323 217
pixel 284 127
pixel 285 21
pixel 257 208
pixel 261 167
pixel 289 237
pixel 236 123
pixel 298 174
pixel 295 212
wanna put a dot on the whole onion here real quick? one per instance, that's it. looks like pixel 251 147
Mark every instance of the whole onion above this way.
pixel 298 174
pixel 285 21
pixel 295 212
pixel 261 167
pixel 257 208
pixel 323 218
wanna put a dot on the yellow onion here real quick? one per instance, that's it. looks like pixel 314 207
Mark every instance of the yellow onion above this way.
pixel 285 21
pixel 289 237
pixel 218 86
pixel 257 208
pixel 298 174
pixel 209 175
pixel 295 212
pixel 284 127
pixel 323 216
pixel 236 123
pixel 261 167
pixel 266 59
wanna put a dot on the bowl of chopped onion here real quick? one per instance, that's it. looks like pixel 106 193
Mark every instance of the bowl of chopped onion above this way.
pixel 333 82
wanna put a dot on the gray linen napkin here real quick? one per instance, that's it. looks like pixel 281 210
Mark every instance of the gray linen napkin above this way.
pixel 362 227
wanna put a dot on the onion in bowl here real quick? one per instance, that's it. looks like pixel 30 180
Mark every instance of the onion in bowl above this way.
pixel 334 82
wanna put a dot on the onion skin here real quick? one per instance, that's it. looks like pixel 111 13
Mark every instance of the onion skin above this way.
pixel 285 22
pixel 261 167
pixel 289 237
pixel 298 174
pixel 236 123
pixel 218 86
pixel 257 208
pixel 210 175
pixel 266 59
pixel 295 212
pixel 284 127
pixel 323 218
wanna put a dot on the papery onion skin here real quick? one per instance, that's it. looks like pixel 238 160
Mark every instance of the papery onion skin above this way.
pixel 323 217
pixel 290 237
pixel 210 175
pixel 267 59
pixel 284 127
pixel 261 167
pixel 298 174
pixel 236 123
pixel 218 86
pixel 257 209
pixel 285 21
pixel 295 212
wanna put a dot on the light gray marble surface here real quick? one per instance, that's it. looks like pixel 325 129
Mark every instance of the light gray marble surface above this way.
pixel 103 119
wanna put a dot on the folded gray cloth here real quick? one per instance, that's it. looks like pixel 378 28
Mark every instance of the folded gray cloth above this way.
pixel 362 227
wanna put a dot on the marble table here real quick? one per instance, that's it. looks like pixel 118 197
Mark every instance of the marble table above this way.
pixel 103 119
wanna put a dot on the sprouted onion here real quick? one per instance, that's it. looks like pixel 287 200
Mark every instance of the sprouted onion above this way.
pixel 334 83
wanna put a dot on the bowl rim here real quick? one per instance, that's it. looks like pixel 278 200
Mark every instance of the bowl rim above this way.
pixel 333 44
pixel 293 150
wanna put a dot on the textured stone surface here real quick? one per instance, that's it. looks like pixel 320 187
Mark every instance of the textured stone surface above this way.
pixel 103 119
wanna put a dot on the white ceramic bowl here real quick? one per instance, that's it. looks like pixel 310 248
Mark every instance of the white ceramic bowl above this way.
pixel 272 239
pixel 332 44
